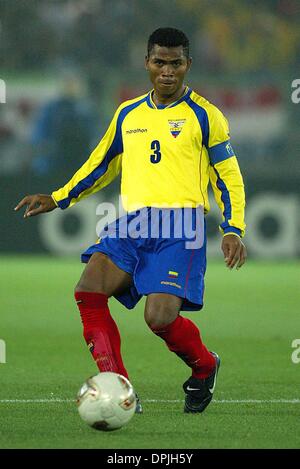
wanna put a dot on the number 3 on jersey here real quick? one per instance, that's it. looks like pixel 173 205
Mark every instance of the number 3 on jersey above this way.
pixel 156 157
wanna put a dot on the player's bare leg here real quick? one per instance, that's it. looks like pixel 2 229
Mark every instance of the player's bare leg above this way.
pixel 100 280
pixel 162 314
pixel 161 309
pixel 101 275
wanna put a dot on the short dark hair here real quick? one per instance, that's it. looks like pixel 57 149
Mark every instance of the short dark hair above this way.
pixel 169 37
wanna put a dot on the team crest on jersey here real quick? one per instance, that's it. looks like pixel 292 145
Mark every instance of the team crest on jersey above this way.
pixel 176 126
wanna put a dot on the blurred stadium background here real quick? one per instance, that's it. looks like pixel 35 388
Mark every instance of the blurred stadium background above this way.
pixel 67 64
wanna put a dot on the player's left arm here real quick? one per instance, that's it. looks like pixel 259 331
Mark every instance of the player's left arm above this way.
pixel 228 188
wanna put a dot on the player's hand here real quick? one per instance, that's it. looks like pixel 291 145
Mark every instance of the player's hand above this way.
pixel 36 204
pixel 234 251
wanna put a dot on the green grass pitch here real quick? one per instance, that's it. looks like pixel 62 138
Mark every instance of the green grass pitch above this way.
pixel 250 318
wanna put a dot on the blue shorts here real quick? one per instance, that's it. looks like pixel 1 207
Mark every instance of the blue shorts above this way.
pixel 161 264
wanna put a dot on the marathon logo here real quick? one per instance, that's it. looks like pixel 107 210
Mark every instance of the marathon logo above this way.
pixel 135 131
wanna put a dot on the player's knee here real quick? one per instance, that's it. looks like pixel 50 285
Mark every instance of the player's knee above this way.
pixel 158 317
pixel 86 285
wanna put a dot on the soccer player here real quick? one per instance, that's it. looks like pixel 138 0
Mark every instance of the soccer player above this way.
pixel 169 144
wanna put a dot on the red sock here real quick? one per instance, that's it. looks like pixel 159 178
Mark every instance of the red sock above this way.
pixel 183 337
pixel 100 332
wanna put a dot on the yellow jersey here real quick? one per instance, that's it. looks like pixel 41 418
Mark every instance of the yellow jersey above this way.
pixel 167 156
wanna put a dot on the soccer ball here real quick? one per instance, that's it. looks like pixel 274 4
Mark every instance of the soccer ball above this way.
pixel 106 401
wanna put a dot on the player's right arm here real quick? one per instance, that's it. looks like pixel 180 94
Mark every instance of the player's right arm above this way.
pixel 36 204
pixel 98 171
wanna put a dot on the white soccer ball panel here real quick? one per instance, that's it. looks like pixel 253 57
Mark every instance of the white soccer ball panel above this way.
pixel 106 401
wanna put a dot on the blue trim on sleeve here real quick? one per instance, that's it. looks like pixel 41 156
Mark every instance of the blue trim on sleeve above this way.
pixel 220 152
pixel 232 229
pixel 115 149
pixel 202 117
pixel 225 197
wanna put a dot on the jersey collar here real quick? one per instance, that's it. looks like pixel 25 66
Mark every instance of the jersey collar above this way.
pixel 151 104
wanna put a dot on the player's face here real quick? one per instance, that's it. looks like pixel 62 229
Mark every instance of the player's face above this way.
pixel 167 67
